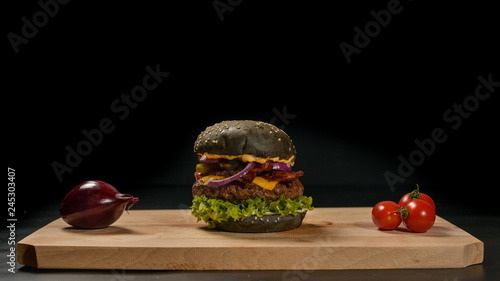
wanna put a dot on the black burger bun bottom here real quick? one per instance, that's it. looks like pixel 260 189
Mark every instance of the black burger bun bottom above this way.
pixel 267 223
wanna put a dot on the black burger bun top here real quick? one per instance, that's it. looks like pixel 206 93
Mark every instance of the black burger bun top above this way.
pixel 245 137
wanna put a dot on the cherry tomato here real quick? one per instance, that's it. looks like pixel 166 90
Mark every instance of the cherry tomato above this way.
pixel 420 216
pixel 384 215
pixel 416 194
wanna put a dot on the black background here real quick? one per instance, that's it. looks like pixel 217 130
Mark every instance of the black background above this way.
pixel 350 121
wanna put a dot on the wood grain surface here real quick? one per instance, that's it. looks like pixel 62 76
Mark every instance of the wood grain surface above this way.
pixel 329 238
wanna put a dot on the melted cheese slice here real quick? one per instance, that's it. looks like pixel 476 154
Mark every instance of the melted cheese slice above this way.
pixel 205 179
pixel 260 181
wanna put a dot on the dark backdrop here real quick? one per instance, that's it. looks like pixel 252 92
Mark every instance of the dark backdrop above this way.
pixel 276 62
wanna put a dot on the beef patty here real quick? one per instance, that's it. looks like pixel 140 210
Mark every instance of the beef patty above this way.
pixel 241 191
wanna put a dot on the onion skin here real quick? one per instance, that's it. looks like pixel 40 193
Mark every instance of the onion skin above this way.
pixel 94 204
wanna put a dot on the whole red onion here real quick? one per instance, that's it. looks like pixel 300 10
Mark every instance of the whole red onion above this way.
pixel 94 204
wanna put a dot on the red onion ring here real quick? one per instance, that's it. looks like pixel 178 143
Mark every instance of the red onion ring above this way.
pixel 282 166
pixel 276 166
pixel 227 180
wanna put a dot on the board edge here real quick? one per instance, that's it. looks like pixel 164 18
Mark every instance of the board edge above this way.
pixel 26 255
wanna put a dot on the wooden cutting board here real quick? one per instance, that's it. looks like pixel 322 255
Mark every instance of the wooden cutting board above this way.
pixel 329 238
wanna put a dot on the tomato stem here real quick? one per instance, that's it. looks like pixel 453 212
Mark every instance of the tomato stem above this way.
pixel 415 194
pixel 403 212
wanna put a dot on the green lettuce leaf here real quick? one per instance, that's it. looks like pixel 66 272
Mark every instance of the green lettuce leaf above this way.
pixel 210 209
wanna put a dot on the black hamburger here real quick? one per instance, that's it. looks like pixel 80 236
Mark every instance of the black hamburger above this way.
pixel 244 181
